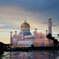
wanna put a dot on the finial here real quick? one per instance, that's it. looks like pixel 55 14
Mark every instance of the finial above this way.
pixel 11 32
pixel 25 20
pixel 35 28
pixel 49 19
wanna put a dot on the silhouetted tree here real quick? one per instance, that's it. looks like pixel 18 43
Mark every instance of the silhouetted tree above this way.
pixel 58 34
pixel 55 42
pixel 1 48
pixel 32 45
pixel 52 38
pixel 1 45
pixel 49 36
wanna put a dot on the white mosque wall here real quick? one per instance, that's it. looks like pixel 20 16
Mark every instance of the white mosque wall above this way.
pixel 39 39
pixel 28 40
pixel 29 36
pixel 14 42
pixel 24 43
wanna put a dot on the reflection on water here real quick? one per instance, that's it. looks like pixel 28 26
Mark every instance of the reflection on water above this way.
pixel 30 55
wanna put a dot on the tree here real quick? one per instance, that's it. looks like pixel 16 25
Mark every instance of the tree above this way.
pixel 1 45
pixel 58 34
pixel 49 36
pixel 32 45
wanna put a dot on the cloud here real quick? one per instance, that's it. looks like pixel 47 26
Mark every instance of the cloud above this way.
pixel 13 17
pixel 9 26
pixel 1 25
pixel 36 12
pixel 35 5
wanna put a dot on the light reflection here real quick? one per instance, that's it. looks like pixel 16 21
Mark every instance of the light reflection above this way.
pixel 30 55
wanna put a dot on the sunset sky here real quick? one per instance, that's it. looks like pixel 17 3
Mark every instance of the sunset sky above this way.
pixel 36 12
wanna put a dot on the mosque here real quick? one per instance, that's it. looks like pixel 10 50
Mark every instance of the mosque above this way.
pixel 26 39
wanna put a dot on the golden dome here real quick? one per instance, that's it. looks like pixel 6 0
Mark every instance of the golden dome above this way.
pixel 25 24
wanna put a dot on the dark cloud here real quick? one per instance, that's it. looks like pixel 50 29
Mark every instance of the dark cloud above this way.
pixel 50 6
pixel 32 4
pixel 46 8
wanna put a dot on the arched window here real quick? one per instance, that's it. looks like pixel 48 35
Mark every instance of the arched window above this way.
pixel 41 37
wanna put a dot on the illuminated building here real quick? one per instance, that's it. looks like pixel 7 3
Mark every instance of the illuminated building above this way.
pixel 26 39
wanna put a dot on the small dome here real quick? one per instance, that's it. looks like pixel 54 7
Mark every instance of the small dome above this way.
pixel 25 24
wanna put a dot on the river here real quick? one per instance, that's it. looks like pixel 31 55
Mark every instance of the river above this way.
pixel 29 55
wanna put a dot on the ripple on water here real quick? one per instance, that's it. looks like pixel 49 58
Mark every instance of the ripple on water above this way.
pixel 29 55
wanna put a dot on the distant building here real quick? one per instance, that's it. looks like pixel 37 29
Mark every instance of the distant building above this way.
pixel 26 39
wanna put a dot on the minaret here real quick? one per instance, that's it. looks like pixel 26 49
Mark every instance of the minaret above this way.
pixel 11 38
pixel 46 32
pixel 50 26
pixel 36 29
pixel 36 34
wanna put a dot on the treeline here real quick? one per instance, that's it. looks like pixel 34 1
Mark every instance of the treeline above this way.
pixel 3 46
pixel 56 42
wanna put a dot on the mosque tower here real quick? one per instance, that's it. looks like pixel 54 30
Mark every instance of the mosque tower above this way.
pixel 50 26
pixel 46 32
pixel 11 38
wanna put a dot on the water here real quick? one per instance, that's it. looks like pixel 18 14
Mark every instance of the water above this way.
pixel 30 55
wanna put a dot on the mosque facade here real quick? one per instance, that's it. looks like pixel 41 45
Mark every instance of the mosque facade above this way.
pixel 26 39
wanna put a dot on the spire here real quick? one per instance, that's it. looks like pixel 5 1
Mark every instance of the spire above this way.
pixel 49 19
pixel 25 20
